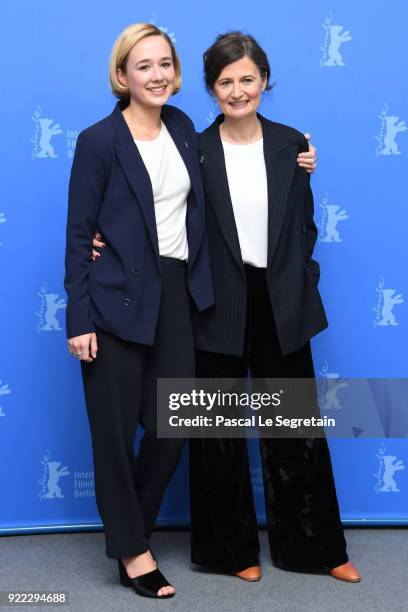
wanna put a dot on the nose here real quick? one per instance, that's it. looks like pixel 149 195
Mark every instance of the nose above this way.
pixel 157 74
pixel 236 90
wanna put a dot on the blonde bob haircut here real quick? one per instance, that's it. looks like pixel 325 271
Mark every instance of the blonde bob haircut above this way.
pixel 123 46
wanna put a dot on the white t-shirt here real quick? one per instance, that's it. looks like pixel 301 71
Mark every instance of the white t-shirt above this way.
pixel 246 172
pixel 171 186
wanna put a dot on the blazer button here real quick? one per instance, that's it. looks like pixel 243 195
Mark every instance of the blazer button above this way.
pixel 126 301
pixel 135 272
pixel 304 229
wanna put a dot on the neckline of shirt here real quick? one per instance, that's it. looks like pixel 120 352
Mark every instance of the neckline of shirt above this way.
pixel 244 146
pixel 154 141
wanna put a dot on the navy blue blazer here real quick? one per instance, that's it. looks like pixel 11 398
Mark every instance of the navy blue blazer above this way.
pixel 110 189
pixel 292 275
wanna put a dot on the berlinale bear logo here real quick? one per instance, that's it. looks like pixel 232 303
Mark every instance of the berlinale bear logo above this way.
pixel 333 39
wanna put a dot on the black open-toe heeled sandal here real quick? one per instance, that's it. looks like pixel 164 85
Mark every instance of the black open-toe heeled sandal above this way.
pixel 146 585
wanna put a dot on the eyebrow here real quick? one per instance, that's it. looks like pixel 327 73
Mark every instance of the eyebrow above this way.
pixel 243 77
pixel 143 61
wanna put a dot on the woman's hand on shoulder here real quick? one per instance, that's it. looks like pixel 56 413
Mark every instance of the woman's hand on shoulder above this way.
pixel 308 158
pixel 84 347
pixel 97 243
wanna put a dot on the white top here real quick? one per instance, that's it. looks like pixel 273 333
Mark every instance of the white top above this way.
pixel 246 172
pixel 171 186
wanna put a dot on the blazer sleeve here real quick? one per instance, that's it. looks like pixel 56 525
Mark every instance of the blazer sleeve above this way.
pixel 86 188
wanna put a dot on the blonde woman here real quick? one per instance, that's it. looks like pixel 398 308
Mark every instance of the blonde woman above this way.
pixel 136 177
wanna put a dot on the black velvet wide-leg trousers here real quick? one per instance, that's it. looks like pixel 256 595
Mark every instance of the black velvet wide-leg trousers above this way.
pixel 303 521
pixel 120 392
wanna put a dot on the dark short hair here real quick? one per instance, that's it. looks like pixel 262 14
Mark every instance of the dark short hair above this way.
pixel 229 48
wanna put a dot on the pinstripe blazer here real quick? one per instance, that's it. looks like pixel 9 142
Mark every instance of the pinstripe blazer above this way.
pixel 292 274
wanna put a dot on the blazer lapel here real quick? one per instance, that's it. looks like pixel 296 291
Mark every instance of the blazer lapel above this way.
pixel 216 184
pixel 186 149
pixel 137 175
pixel 280 161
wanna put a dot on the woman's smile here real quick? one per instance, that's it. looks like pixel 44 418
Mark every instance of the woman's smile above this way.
pixel 158 89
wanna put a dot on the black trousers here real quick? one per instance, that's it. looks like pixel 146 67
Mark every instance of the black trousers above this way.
pixel 120 392
pixel 303 521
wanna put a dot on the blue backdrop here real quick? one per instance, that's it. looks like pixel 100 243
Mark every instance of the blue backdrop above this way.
pixel 347 60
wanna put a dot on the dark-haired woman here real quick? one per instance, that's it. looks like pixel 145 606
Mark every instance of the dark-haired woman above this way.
pixel 259 215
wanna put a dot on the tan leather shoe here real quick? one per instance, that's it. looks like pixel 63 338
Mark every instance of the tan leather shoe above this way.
pixel 346 572
pixel 250 574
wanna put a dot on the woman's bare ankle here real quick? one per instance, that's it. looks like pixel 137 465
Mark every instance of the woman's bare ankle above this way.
pixel 139 564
